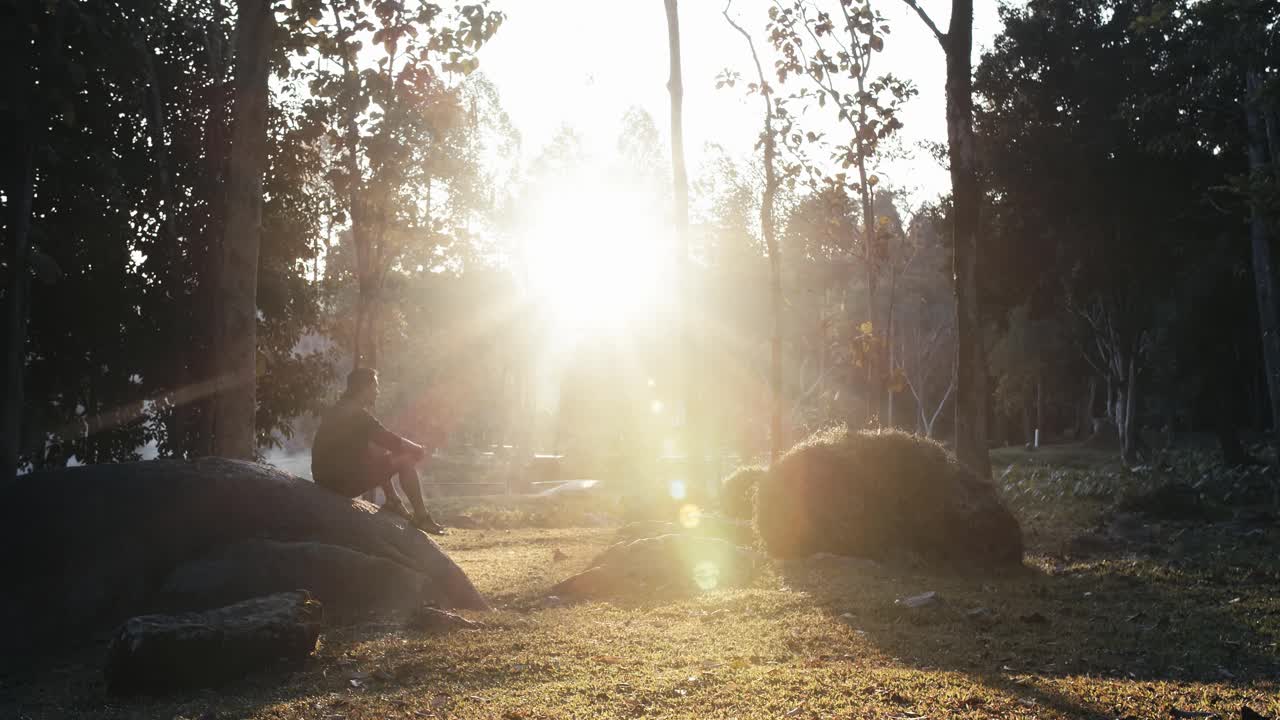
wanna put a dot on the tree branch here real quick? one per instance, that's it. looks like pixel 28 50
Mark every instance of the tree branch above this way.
pixel 941 36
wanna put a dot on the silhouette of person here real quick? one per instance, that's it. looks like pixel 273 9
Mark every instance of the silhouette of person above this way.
pixel 353 453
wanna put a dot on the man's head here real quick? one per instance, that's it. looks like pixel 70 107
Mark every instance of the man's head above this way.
pixel 362 387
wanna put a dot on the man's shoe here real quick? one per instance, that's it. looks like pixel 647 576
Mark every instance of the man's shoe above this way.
pixel 425 523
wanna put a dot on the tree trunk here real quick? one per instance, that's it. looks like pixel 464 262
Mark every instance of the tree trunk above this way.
pixel 873 277
pixel 238 270
pixel 1263 273
pixel 1130 443
pixel 1084 424
pixel 971 355
pixel 19 186
pixel 1039 406
pixel 1218 398
pixel 1273 138
pixel 178 377
pixel 776 439
pixel 680 187
pixel 1026 421
pixel 201 358
pixel 1109 409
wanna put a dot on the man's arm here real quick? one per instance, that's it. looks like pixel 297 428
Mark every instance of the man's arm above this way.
pixel 382 437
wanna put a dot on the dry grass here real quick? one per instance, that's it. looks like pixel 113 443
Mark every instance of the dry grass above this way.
pixel 1190 619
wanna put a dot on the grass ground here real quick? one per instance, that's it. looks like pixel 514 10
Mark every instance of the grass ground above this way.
pixel 1177 615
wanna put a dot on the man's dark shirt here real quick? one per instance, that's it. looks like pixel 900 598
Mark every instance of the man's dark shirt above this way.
pixel 340 454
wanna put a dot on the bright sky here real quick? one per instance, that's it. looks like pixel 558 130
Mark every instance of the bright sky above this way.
pixel 584 62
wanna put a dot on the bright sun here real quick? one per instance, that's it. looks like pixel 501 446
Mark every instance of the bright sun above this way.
pixel 597 257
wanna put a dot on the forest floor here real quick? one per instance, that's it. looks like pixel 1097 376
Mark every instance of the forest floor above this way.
pixel 1115 617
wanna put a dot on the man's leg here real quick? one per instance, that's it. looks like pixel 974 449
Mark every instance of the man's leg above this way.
pixel 407 471
pixel 380 468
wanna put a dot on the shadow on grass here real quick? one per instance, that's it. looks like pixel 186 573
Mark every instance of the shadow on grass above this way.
pixel 1201 608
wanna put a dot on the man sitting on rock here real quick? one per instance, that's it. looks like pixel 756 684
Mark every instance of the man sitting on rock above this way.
pixel 353 453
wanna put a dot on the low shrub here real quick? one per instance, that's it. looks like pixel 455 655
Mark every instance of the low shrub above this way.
pixel 738 492
pixel 882 495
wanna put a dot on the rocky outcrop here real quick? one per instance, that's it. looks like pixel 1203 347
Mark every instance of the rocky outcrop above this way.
pixel 667 563
pixel 156 654
pixel 89 547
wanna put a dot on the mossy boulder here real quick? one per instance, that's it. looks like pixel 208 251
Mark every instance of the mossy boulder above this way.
pixel 884 495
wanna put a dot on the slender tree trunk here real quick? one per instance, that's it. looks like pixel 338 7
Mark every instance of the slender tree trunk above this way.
pixel 177 427
pixel 776 439
pixel 873 277
pixel 1273 138
pixel 1217 396
pixel 680 183
pixel 206 257
pixel 1263 272
pixel 1109 411
pixel 971 381
pixel 19 186
pixel 1084 424
pixel 1039 404
pixel 1130 443
pixel 237 336
pixel 1026 421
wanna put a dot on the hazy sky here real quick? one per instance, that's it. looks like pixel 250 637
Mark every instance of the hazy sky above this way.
pixel 584 62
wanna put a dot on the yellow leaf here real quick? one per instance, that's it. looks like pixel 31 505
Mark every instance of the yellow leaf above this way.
pixel 873 180
pixel 313 20
pixel 865 327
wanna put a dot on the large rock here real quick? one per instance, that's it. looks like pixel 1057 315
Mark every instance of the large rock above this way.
pixel 160 653
pixel 346 579
pixel 886 496
pixel 667 563
pixel 88 547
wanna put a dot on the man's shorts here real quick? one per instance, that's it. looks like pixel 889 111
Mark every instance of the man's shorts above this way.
pixel 376 470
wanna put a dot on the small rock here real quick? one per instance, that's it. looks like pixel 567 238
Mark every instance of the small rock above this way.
pixel 984 618
pixel 924 599
pixel 429 618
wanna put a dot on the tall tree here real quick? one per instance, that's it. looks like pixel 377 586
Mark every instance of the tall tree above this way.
pixel 237 273
pixel 828 51
pixel 971 354
pixel 768 229
pixel 680 188
pixel 387 111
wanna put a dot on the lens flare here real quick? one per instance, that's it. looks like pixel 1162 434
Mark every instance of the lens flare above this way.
pixel 677 490
pixel 689 515
pixel 706 575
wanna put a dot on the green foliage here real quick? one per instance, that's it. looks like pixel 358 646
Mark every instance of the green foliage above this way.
pixel 128 209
